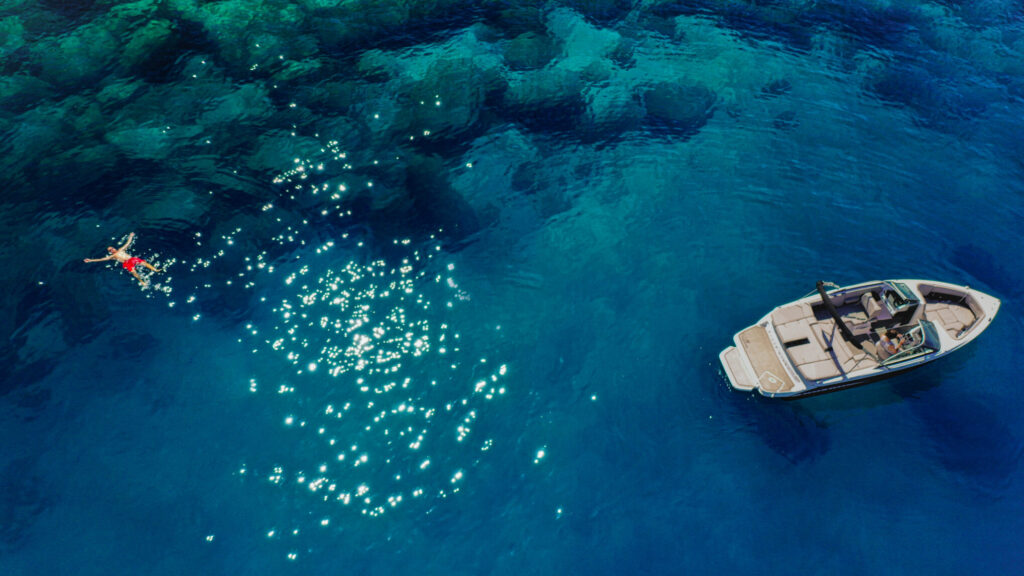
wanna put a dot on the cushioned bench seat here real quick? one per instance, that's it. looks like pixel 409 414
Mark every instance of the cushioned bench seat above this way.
pixel 952 318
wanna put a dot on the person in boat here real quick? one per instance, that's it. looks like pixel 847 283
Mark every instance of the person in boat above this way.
pixel 891 341
pixel 127 261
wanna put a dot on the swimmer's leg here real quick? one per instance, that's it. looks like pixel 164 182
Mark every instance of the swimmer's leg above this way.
pixel 139 278
pixel 150 266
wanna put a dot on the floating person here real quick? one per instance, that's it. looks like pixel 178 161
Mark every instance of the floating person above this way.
pixel 128 261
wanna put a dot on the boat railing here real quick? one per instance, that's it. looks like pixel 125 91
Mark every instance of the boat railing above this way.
pixel 815 291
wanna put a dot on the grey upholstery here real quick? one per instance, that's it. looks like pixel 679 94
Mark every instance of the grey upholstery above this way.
pixel 871 305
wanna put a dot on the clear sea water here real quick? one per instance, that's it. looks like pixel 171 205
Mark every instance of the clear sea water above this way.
pixel 446 283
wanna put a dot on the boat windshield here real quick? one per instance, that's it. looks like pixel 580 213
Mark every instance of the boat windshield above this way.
pixel 899 300
pixel 918 341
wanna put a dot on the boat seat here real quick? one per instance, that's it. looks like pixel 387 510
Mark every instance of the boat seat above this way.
pixel 793 331
pixel 848 355
pixel 860 320
pixel 871 305
pixel 819 370
pixel 807 353
pixel 792 313
pixel 952 318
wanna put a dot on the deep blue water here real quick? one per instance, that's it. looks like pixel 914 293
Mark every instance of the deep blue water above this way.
pixel 446 284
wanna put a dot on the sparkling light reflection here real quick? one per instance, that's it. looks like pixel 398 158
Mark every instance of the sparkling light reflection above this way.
pixel 375 390
pixel 380 370
pixel 382 398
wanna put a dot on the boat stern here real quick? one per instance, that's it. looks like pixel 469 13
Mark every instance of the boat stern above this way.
pixel 736 369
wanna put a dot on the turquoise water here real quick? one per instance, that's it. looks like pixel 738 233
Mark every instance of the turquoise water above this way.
pixel 446 283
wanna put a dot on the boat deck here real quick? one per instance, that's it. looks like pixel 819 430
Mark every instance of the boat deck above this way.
pixel 954 315
pixel 771 376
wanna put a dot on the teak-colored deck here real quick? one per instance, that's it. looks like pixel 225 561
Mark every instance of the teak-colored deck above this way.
pixel 771 376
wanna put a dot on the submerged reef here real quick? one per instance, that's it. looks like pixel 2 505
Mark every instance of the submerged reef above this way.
pixel 382 102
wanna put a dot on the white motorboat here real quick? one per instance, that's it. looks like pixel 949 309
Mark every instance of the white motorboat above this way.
pixel 833 338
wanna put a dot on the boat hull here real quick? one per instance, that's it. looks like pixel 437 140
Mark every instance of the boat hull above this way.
pixel 777 360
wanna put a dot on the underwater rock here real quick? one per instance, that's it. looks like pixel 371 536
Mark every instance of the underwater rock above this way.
pixel 436 204
pixel 12 35
pixel 653 22
pixel 295 69
pixel 21 91
pixel 939 97
pixel 346 132
pixel 601 11
pixel 335 97
pixel 356 22
pixel 175 207
pixel 487 178
pixel 86 54
pixel 139 11
pixel 611 111
pixel 148 142
pixel 85 117
pixel 279 151
pixel 378 65
pixel 546 88
pixel 516 18
pixel 447 101
pixel 582 40
pixel 776 88
pixel 683 108
pixel 77 168
pixel 117 92
pixel 786 120
pixel 147 45
pixel 250 38
pixel 528 51
pixel 37 133
pixel 249 102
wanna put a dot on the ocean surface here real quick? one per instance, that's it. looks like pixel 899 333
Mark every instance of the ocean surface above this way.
pixel 446 283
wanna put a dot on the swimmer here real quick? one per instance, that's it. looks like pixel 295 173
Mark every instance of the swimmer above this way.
pixel 128 261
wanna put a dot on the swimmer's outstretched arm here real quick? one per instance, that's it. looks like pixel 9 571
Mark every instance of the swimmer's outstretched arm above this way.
pixel 128 242
pixel 111 257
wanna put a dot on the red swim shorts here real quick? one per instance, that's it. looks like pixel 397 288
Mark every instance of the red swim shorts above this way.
pixel 132 262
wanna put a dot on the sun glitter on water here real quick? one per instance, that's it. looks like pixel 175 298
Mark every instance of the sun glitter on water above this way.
pixel 384 400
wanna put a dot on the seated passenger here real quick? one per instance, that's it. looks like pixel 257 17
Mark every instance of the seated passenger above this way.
pixel 891 341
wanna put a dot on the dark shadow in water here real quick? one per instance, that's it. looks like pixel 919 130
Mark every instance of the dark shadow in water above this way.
pixel 349 29
pixel 21 502
pixel 972 441
pixel 980 263
pixel 165 63
pixel 131 345
pixel 786 427
pixel 35 306
pixel 435 204
pixel 560 117
pixel 77 12
pixel 601 12
pixel 764 21
pixel 938 97
pixel 677 109
pixel 22 376
pixel 871 25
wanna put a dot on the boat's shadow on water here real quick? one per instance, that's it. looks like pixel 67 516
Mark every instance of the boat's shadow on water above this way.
pixel 969 431
pixel 968 437
pixel 786 427
pixel 799 429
